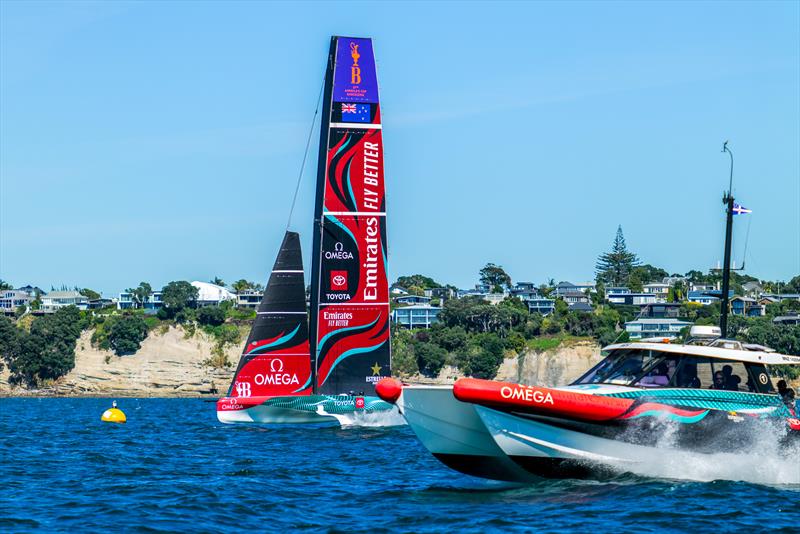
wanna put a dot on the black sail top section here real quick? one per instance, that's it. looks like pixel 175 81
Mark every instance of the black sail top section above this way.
pixel 285 291
pixel 276 359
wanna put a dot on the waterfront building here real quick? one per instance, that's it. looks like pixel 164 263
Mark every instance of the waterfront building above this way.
pixel 581 307
pixel 661 291
pixel 31 290
pixel 792 318
pixel 747 307
pixel 672 280
pixel 781 296
pixel 11 299
pixel 648 327
pixel 564 288
pixel 698 286
pixel 616 290
pixel 573 297
pixel 706 297
pixel 209 294
pixel 97 304
pixel 541 305
pixel 661 310
pixel 59 299
pixel 523 287
pixel 249 298
pixel 441 293
pixel 632 299
pixel 152 302
pixel 412 299
pixel 416 316
pixel 397 290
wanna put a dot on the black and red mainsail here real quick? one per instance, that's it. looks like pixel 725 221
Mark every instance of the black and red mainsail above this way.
pixel 349 289
pixel 276 358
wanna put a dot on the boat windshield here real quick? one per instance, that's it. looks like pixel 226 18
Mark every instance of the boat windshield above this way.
pixel 646 368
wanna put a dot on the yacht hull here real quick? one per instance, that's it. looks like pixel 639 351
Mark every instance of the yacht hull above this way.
pixel 327 410
pixel 454 433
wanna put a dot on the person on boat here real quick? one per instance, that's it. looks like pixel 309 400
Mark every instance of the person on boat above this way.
pixel 657 377
pixel 787 395
pixel 719 381
pixel 732 381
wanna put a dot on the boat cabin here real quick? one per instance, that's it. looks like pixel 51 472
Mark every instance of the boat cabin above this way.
pixel 721 364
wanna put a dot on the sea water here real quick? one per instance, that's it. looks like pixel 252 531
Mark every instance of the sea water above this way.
pixel 173 467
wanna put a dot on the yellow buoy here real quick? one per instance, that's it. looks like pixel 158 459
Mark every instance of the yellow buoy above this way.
pixel 113 415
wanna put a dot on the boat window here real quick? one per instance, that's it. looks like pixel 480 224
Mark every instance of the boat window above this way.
pixel 694 372
pixel 661 373
pixel 621 367
pixel 729 375
pixel 758 380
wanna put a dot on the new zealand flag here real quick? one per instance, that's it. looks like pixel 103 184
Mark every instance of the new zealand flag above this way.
pixel 355 112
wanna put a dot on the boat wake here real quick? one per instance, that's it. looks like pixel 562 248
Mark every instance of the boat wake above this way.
pixel 372 420
pixel 768 459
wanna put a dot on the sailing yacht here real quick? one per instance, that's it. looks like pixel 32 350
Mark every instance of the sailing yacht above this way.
pixel 322 368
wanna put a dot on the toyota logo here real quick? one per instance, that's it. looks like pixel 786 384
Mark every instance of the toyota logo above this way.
pixel 339 280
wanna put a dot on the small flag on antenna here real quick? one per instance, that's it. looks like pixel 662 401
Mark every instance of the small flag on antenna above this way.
pixel 740 210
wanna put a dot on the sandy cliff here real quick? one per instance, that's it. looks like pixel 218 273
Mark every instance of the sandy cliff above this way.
pixel 167 365
pixel 556 367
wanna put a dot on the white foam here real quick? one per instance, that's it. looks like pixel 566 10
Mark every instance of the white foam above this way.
pixel 375 419
pixel 765 461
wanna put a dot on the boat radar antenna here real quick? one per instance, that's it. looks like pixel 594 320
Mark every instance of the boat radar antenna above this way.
pixel 727 199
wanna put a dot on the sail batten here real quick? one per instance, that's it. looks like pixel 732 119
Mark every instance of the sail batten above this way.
pixel 350 295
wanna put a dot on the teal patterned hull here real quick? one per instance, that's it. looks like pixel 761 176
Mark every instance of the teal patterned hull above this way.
pixel 316 409
pixel 712 399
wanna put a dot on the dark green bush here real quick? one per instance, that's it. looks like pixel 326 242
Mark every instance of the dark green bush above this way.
pixel 211 316
pixel 127 334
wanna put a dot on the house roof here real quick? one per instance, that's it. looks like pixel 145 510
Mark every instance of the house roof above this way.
pixel 64 295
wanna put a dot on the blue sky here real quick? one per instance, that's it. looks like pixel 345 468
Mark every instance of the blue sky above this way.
pixel 162 141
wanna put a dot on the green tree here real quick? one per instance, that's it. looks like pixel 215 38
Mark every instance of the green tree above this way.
pixel 452 339
pixel 416 290
pixel 241 285
pixel 140 294
pixel 495 277
pixel 635 282
pixel 127 334
pixel 404 361
pixel 792 286
pixel 648 273
pixel 217 281
pixel 418 280
pixel 89 293
pixel 4 286
pixel 9 335
pixel 178 296
pixel 484 362
pixel 782 338
pixel 48 351
pixel 614 268
pixel 211 315
pixel 430 358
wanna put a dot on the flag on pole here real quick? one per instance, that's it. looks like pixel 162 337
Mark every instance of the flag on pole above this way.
pixel 740 210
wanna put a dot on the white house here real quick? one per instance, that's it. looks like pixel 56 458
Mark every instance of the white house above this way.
pixel 59 299
pixel 212 294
